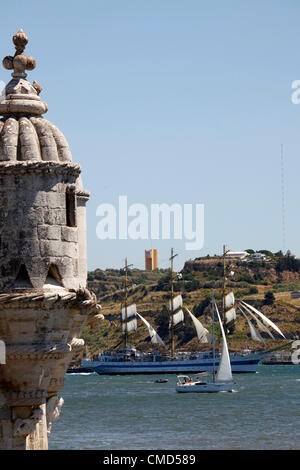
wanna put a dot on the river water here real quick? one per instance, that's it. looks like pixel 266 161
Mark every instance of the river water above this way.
pixel 134 412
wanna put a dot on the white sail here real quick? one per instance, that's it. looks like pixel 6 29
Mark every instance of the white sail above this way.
pixel 178 315
pixel 202 333
pixel 177 302
pixel 131 311
pixel 177 318
pixel 229 300
pixel 230 315
pixel 131 326
pixel 260 325
pixel 265 319
pixel 155 338
pixel 255 335
pixel 224 373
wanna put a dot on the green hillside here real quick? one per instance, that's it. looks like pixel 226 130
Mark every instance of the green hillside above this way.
pixel 267 285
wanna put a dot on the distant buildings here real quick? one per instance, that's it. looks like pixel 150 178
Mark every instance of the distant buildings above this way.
pixel 295 294
pixel 258 256
pixel 289 253
pixel 236 254
pixel 151 259
pixel 245 255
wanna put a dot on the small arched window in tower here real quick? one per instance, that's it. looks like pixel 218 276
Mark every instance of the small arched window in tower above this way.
pixel 71 204
pixel 23 279
pixel 53 277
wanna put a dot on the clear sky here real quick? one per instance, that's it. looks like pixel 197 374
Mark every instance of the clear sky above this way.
pixel 174 101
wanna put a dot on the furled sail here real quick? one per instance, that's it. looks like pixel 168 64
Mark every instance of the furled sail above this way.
pixel 131 318
pixel 229 300
pixel 255 335
pixel 176 311
pixel 155 338
pixel 131 326
pixel 264 319
pixel 202 333
pixel 178 317
pixel 177 302
pixel 131 311
pixel 230 313
pixel 224 373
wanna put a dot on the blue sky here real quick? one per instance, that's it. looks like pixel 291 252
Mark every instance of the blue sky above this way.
pixel 172 101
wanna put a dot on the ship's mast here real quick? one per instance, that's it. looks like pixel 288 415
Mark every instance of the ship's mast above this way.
pixel 213 331
pixel 224 285
pixel 224 282
pixel 172 308
pixel 125 302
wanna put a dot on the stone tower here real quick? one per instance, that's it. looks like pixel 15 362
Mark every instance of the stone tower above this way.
pixel 44 302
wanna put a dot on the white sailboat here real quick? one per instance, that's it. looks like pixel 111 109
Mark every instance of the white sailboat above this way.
pixel 222 380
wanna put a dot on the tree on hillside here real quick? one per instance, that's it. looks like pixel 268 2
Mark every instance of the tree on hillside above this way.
pixel 253 290
pixel 164 283
pixel 162 320
pixel 193 285
pixel 258 276
pixel 287 263
pixel 279 254
pixel 266 252
pixel 269 298
pixel 186 332
pixel 198 310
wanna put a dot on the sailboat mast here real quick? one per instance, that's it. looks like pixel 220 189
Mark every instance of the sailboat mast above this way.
pixel 125 306
pixel 125 303
pixel 224 283
pixel 213 331
pixel 172 307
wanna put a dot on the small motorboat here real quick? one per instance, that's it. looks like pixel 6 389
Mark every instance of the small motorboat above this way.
pixel 161 381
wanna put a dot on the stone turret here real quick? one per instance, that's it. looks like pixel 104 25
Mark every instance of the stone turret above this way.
pixel 44 302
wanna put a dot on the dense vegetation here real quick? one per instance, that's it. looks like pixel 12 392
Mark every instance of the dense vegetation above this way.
pixel 267 284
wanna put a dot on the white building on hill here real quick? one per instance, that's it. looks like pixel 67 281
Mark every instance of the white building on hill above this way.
pixel 236 254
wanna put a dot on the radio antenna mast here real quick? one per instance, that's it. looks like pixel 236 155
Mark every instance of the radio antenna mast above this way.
pixel 283 202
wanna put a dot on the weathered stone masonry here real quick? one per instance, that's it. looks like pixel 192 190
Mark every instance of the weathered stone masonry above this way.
pixel 44 302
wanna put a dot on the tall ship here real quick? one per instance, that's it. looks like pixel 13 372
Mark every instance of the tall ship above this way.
pixel 131 361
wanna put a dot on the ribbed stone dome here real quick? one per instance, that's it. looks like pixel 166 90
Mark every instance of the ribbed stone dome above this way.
pixel 24 134
pixel 31 138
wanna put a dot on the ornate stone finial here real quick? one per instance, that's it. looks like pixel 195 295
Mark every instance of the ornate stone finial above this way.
pixel 20 96
pixel 20 61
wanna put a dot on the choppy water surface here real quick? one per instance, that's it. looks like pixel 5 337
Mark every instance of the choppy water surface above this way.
pixel 134 412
